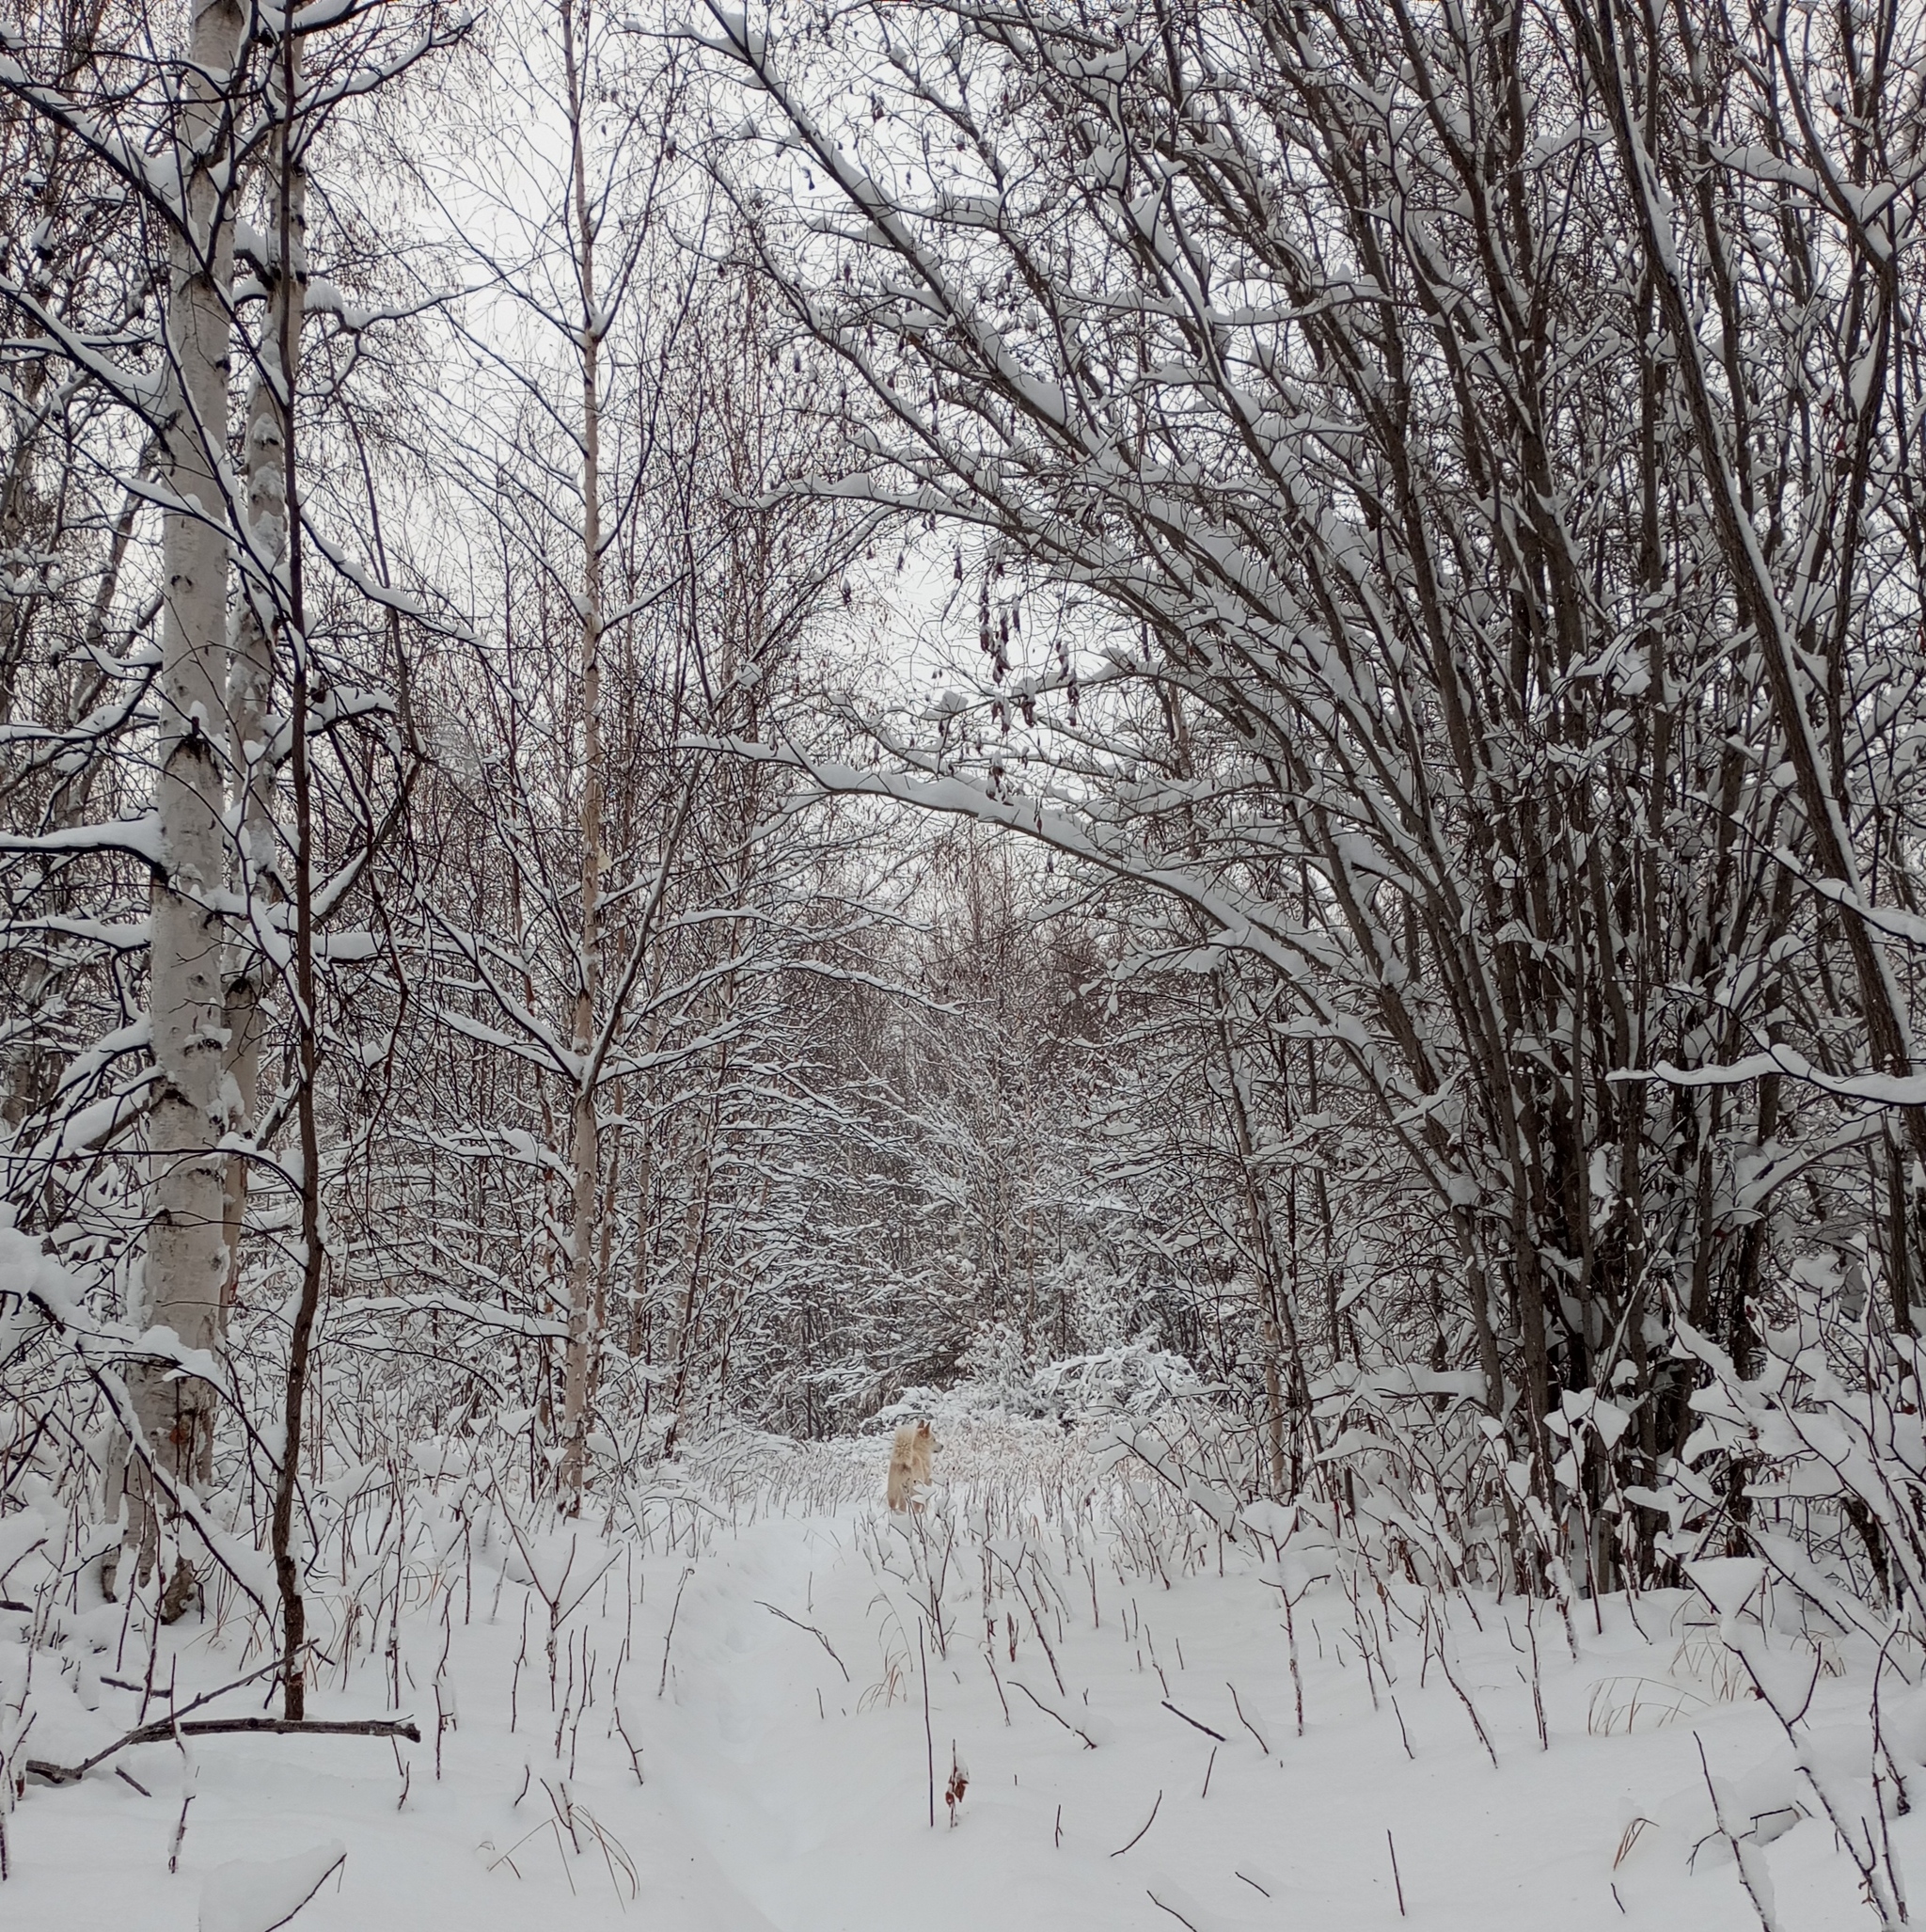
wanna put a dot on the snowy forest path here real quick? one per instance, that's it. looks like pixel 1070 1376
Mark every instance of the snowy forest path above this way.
pixel 814 1794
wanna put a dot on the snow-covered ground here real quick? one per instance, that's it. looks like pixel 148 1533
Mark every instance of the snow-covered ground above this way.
pixel 786 1759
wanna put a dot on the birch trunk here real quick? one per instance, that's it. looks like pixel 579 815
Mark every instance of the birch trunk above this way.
pixel 186 1249
pixel 250 689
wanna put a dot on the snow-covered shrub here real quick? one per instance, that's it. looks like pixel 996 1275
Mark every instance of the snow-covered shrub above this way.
pixel 1422 1479
pixel 1817 1463
pixel 997 1377
pixel 997 1370
pixel 1133 1378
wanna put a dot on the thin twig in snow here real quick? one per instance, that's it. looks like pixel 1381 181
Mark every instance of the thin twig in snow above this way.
pixel 675 1611
pixel 1090 1743
pixel 1244 1720
pixel 1471 1709
pixel 928 1737
pixel 1147 1823
pixel 814 1632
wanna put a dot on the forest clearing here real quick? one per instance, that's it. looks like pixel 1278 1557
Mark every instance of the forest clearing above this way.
pixel 736 1734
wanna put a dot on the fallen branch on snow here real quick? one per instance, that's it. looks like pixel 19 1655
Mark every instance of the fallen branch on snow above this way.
pixel 1195 1725
pixel 166 1729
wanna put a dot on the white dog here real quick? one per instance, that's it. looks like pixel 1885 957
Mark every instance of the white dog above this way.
pixel 909 1465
